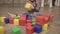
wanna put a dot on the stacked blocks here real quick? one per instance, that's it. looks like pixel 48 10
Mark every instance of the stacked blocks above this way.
pixel 29 24
pixel 29 30
pixel 45 27
pixel 46 17
pixel 30 18
pixel 1 30
pixel 29 21
pixel 22 20
pixel 37 28
pixel 6 20
pixel 11 20
pixel 34 21
pixel 16 17
pixel 16 31
pixel 16 22
pixel 38 14
pixel 2 19
pixel 39 20
pixel 46 20
pixel 37 24
pixel 26 14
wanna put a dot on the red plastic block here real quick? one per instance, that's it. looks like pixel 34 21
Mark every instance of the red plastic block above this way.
pixel 39 20
pixel 29 30
pixel 22 21
pixel 11 20
pixel 29 21
pixel 22 16
pixel 29 24
pixel 46 17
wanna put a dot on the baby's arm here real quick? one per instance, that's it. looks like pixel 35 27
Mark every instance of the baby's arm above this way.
pixel 11 15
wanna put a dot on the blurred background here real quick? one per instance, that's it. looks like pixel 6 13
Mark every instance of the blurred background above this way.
pixel 17 7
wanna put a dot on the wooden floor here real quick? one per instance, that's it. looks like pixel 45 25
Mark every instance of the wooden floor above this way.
pixel 54 26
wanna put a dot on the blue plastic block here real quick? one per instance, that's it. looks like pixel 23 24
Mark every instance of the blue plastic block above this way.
pixel 6 20
pixel 26 13
pixel 29 18
pixel 38 14
pixel 37 28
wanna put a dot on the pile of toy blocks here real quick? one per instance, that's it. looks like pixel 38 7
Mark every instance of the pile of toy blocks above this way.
pixel 37 24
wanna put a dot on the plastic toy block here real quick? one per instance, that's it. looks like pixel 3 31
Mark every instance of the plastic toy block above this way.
pixel 6 20
pixel 29 21
pixel 29 18
pixel 2 19
pixel 22 21
pixel 26 13
pixel 39 20
pixel 23 16
pixel 11 20
pixel 16 31
pixel 46 17
pixel 45 27
pixel 29 24
pixel 1 30
pixel 16 22
pixel 37 28
pixel 34 21
pixel 29 30
pixel 16 17
pixel 38 14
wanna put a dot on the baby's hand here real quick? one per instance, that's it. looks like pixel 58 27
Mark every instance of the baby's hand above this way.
pixel 32 7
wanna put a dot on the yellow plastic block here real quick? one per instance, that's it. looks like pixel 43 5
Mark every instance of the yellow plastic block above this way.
pixel 16 22
pixel 45 27
pixel 1 30
pixel 2 19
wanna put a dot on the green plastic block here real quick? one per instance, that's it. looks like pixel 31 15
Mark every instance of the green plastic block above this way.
pixel 16 17
pixel 16 31
pixel 34 21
